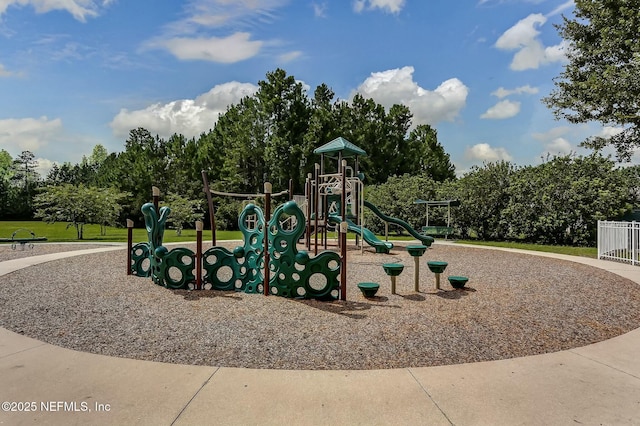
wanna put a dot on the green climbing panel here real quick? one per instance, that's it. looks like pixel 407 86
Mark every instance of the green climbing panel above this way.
pixel 242 269
pixel 292 273
pixel 140 263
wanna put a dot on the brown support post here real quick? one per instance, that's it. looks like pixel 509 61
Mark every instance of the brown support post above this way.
pixel 343 257
pixel 290 189
pixel 267 214
pixel 155 191
pixel 325 208
pixel 199 226
pixel 343 196
pixel 212 218
pixel 129 244
pixel 307 192
pixel 316 202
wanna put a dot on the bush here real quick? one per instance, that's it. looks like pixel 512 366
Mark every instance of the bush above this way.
pixel 226 212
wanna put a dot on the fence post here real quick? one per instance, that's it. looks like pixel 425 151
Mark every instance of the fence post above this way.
pixel 599 237
pixel 635 232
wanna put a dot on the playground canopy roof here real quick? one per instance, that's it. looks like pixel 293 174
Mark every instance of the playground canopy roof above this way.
pixel 340 145
pixel 444 203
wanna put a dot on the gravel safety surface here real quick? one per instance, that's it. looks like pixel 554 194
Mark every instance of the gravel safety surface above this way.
pixel 514 305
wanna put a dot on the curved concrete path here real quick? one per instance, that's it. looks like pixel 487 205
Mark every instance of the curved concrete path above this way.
pixel 593 385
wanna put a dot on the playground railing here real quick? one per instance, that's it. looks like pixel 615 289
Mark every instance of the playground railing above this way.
pixel 619 241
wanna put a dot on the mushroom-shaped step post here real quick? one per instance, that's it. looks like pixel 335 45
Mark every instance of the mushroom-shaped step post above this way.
pixel 368 289
pixel 416 251
pixel 393 270
pixel 437 267
pixel 457 281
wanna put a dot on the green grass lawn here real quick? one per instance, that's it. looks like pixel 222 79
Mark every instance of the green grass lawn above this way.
pixel 572 251
pixel 59 232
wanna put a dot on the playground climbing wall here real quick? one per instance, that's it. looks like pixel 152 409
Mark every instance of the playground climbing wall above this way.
pixel 292 273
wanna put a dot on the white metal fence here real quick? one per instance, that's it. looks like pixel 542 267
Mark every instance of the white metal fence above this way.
pixel 619 241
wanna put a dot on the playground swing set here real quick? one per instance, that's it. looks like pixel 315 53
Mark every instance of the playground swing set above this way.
pixel 438 230
pixel 269 261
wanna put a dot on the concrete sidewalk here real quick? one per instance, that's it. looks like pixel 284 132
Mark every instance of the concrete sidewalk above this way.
pixel 593 385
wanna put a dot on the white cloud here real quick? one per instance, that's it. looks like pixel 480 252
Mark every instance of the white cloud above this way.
pixel 320 10
pixel 484 152
pixel 555 142
pixel 219 13
pixel 234 48
pixel 44 166
pixel 391 6
pixel 5 72
pixel 28 134
pixel 290 56
pixel 189 117
pixel 558 146
pixel 481 2
pixel 522 33
pixel 531 53
pixel 192 38
pixel 501 110
pixel 80 9
pixel 396 86
pixel 503 93
pixel 609 131
pixel 558 10
pixel 553 133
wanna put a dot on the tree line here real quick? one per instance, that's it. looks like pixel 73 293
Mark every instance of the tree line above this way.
pixel 557 202
pixel 270 135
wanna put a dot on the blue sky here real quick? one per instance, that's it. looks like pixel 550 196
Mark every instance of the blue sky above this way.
pixel 76 73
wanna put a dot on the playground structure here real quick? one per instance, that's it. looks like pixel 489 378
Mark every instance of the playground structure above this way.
pixel 325 194
pixel 267 262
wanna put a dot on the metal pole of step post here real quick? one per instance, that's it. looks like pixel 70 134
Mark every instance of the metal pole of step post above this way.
pixel 416 274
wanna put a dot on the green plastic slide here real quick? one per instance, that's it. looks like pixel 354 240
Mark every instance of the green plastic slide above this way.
pixel 368 236
pixel 425 239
